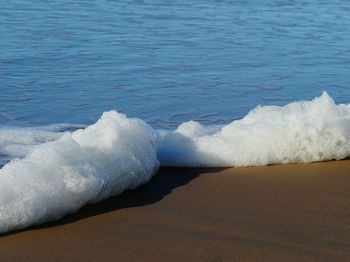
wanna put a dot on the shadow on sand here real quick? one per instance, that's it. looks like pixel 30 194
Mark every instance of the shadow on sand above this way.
pixel 162 184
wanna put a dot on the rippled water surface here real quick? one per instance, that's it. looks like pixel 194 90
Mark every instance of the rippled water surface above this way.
pixel 167 61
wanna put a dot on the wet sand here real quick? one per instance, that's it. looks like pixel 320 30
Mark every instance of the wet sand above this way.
pixel 282 212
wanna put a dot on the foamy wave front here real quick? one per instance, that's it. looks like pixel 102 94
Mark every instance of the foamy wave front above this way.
pixel 306 131
pixel 86 166
pixel 70 169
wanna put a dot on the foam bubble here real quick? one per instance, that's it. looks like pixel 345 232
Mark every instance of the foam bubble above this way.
pixel 304 131
pixel 58 177
pixel 17 142
pixel 60 171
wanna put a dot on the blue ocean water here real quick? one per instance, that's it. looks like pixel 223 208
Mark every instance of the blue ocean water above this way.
pixel 63 63
pixel 167 61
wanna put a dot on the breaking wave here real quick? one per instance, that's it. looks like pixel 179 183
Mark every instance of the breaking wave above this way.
pixel 305 131
pixel 54 171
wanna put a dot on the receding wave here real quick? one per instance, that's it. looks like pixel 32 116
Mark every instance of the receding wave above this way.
pixel 54 171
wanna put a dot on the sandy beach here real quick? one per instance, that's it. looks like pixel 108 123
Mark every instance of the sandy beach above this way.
pixel 283 212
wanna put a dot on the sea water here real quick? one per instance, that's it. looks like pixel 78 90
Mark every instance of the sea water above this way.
pixel 194 83
pixel 167 61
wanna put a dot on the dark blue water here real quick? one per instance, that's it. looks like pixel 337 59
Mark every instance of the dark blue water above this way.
pixel 167 61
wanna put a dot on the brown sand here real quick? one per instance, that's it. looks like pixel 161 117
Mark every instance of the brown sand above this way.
pixel 287 212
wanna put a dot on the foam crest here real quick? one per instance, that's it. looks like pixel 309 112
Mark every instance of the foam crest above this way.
pixel 306 131
pixel 88 165
pixel 60 171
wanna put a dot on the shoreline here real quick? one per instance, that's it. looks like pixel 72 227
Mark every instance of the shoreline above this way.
pixel 294 212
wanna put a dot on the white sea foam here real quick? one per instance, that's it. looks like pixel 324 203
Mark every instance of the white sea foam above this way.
pixel 60 171
pixel 17 142
pixel 304 131
pixel 85 166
